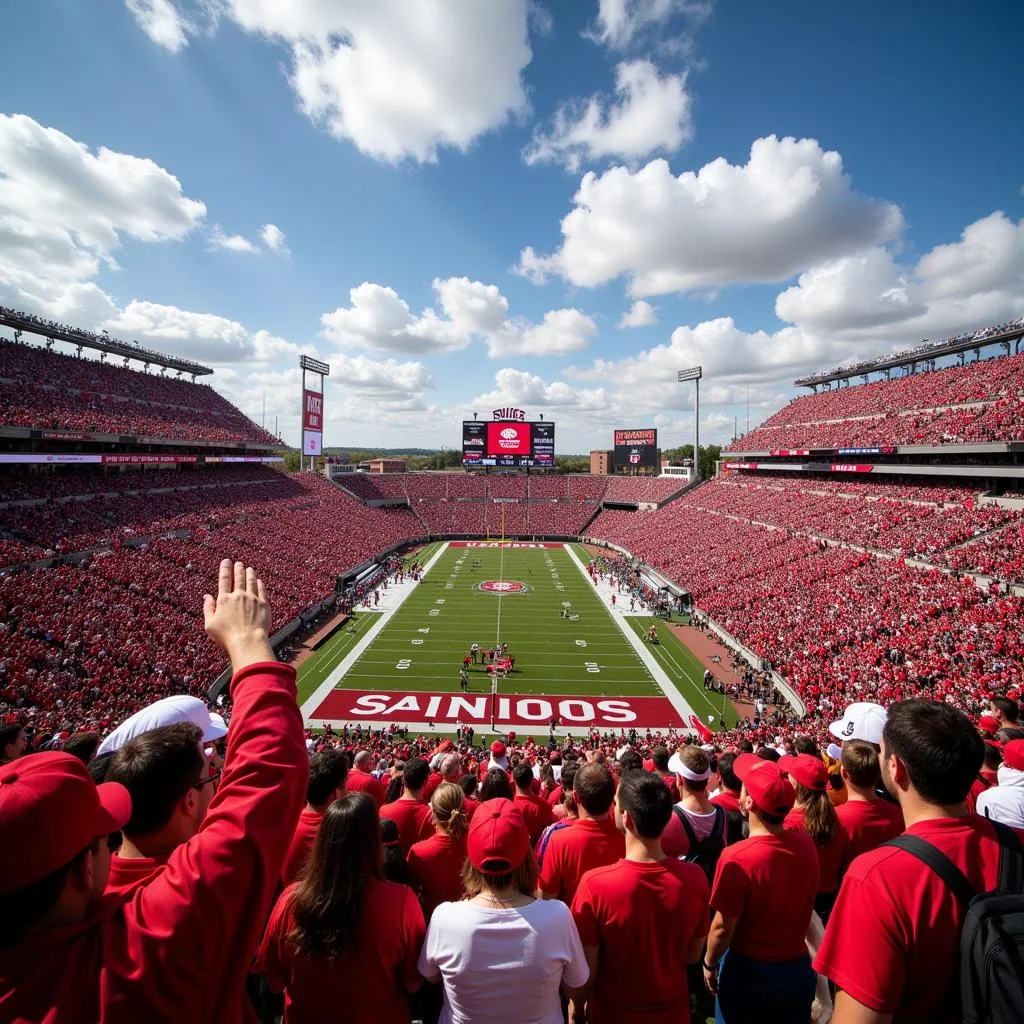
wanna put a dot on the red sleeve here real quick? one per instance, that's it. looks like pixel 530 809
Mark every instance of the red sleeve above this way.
pixel 862 951
pixel 427 825
pixel 274 952
pixel 731 888
pixel 674 840
pixel 584 915
pixel 202 916
pixel 414 930
pixel 550 880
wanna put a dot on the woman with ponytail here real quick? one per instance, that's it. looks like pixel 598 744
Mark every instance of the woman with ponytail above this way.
pixel 436 864
pixel 815 815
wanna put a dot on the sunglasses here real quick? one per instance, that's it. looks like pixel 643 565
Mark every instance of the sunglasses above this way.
pixel 212 777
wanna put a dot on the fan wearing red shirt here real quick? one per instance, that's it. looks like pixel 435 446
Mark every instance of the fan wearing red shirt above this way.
pixel 344 929
pixel 410 812
pixel 869 821
pixel 360 779
pixel 763 897
pixel 436 864
pixel 328 770
pixel 591 842
pixel 643 919
pixel 171 785
pixel 659 757
pixel 535 810
pixel 728 798
pixel 892 945
pixel 815 814
pixel 63 954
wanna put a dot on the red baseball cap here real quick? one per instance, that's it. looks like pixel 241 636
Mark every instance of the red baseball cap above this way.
pixel 765 784
pixel 1013 755
pixel 51 810
pixel 807 770
pixel 988 723
pixel 498 840
pixel 497 749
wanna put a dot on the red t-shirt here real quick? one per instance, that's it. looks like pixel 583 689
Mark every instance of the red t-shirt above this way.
pixel 670 780
pixel 413 819
pixel 869 823
pixel 892 941
pixel 434 779
pixel 977 788
pixel 536 813
pixel 642 917
pixel 768 883
pixel 555 796
pixel 363 782
pixel 436 867
pixel 573 851
pixel 727 799
pixel 127 873
pixel 469 805
pixel 301 845
pixel 676 843
pixel 372 979
pixel 831 858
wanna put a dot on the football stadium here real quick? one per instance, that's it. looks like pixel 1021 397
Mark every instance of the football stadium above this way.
pixel 625 628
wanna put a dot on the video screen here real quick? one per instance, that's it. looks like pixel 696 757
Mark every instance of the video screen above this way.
pixel 504 443
pixel 636 448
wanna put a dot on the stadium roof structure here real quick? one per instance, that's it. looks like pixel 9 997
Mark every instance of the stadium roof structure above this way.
pixel 53 331
pixel 927 351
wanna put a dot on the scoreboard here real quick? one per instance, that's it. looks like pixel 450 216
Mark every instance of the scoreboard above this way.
pixel 634 448
pixel 522 445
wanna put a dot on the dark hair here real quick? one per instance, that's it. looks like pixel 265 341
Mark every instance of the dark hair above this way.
pixel 993 756
pixel 158 767
pixel 1009 733
pixel 395 867
pixel 9 734
pixel 727 775
pixel 328 770
pixel 768 754
pixel 939 745
pixel 496 785
pixel 394 790
pixel 330 900
pixel 522 776
pixel 468 784
pixel 27 906
pixel 83 745
pixel 594 788
pixel 1008 707
pixel 415 774
pixel 659 755
pixel 744 746
pixel 99 766
pixel 647 799
pixel 631 761
pixel 860 761
pixel 805 745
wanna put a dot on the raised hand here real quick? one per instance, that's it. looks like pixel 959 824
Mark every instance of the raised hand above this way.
pixel 238 618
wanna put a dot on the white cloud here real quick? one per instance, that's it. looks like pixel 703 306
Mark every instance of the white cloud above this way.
pixel 517 387
pixel 400 82
pixel 640 314
pixel 624 23
pixel 273 239
pixel 233 243
pixel 651 113
pixel 378 318
pixel 788 207
pixel 202 336
pixel 162 21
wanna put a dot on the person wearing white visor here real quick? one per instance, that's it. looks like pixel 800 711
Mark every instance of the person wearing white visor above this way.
pixel 169 711
pixel 863 720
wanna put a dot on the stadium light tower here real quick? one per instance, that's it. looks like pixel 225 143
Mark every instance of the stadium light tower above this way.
pixel 694 373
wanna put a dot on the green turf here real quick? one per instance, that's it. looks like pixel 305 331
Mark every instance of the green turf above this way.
pixel 432 631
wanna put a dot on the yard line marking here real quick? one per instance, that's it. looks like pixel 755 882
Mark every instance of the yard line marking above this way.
pixel 319 694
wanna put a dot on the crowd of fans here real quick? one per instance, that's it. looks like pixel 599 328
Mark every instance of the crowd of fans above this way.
pixel 44 389
pixel 980 402
pixel 182 867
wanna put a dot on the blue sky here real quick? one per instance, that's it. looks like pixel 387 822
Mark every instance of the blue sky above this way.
pixel 465 199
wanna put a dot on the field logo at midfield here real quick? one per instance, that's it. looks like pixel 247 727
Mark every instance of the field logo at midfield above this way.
pixel 503 587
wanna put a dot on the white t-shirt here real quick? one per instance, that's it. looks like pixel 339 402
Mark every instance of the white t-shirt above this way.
pixel 503 966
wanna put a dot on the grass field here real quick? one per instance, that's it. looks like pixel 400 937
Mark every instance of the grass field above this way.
pixel 422 646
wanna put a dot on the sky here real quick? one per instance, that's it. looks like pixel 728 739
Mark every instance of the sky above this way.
pixel 549 204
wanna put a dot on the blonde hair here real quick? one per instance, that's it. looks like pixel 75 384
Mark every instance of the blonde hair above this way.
pixel 820 819
pixel 524 878
pixel 448 806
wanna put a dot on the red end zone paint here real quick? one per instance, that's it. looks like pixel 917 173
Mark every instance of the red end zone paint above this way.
pixel 516 711
pixel 500 544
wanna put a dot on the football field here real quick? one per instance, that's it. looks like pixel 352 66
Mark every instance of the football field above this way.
pixel 576 658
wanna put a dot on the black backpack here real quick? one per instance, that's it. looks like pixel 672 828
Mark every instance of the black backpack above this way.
pixel 705 852
pixel 992 939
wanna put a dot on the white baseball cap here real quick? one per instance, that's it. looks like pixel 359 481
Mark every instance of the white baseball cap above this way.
pixel 169 711
pixel 863 720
